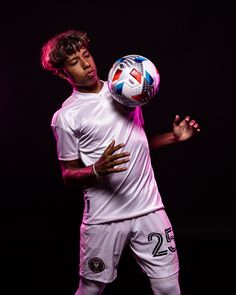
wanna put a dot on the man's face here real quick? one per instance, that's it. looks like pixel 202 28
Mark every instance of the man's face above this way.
pixel 80 69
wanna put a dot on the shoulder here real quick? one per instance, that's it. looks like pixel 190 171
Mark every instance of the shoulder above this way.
pixel 63 114
pixel 55 118
pixel 60 116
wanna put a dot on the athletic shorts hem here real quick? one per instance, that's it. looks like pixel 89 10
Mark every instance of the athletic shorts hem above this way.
pixel 164 274
pixel 102 280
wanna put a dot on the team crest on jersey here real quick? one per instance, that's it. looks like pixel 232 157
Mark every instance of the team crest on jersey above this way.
pixel 96 264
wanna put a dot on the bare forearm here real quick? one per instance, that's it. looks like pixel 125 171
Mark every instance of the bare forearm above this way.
pixel 109 162
pixel 158 141
pixel 79 176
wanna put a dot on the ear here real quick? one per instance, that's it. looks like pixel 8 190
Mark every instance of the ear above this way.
pixel 63 75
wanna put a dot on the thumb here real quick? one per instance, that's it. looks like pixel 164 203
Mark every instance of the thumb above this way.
pixel 176 120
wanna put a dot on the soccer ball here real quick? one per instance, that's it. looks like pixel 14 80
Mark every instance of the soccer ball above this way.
pixel 133 80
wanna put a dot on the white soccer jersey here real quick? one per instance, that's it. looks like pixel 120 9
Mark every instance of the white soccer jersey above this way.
pixel 83 127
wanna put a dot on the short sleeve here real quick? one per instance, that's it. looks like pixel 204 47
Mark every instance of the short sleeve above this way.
pixel 66 140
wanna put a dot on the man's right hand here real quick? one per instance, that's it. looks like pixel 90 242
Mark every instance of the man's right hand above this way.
pixel 110 161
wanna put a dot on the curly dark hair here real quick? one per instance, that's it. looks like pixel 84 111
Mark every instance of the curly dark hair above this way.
pixel 56 50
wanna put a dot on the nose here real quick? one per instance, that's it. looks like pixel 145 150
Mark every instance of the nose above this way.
pixel 85 64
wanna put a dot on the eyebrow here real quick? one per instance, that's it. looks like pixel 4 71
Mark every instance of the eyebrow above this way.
pixel 76 57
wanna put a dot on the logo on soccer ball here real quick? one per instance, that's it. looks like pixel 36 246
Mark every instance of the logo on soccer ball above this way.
pixel 133 80
pixel 96 264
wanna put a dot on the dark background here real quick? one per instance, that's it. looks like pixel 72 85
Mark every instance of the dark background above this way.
pixel 191 43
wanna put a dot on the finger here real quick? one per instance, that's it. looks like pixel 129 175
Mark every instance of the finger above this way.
pixel 110 146
pixel 187 118
pixel 192 122
pixel 196 127
pixel 117 147
pixel 119 162
pixel 177 119
pixel 119 156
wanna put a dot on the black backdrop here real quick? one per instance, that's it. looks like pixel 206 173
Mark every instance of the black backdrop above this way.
pixel 191 42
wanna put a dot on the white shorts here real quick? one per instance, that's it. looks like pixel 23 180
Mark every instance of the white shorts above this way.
pixel 150 238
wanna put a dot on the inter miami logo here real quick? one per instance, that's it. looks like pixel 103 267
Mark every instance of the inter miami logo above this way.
pixel 96 264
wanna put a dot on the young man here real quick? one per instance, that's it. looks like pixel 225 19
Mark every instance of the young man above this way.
pixel 102 146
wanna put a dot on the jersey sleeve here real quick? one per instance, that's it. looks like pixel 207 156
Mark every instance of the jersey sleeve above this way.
pixel 66 140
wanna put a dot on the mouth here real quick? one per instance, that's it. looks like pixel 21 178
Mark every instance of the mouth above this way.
pixel 91 74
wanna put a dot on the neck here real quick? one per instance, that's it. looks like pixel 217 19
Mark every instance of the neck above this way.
pixel 95 88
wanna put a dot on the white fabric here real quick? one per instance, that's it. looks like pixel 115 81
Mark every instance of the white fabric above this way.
pixel 83 127
pixel 150 238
